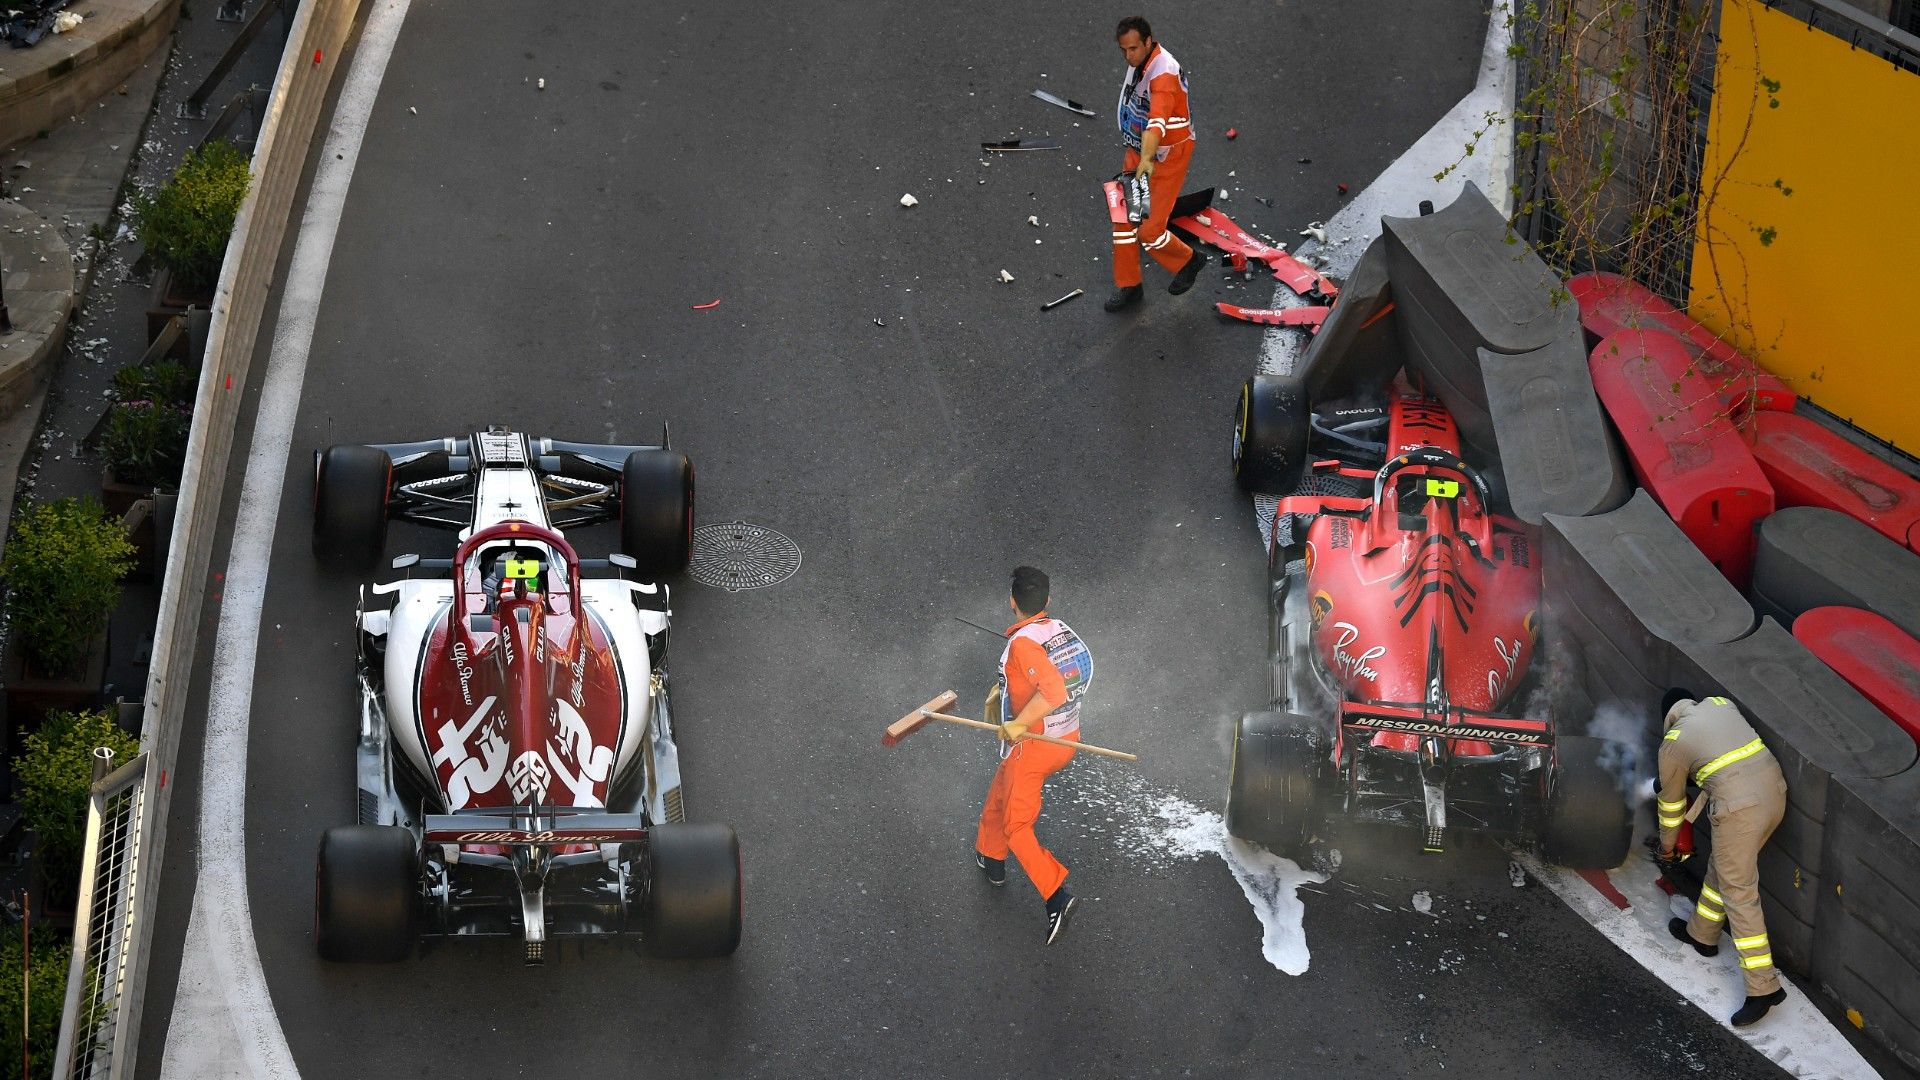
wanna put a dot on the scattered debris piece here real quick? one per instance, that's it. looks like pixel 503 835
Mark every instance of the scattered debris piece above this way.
pixel 413 110
pixel 1231 173
pixel 879 322
pixel 1306 161
pixel 1423 902
pixel 1516 874
pixel 1051 304
pixel 1343 188
pixel 1317 230
pixel 1005 277
pixel 1263 201
pixel 1305 318
pixel 1033 220
pixel 706 306
pixel 541 84
pixel 1221 194
pixel 909 201
pixel 1214 227
pixel 1020 144
pixel 1233 133
pixel 1065 103
pixel 67 20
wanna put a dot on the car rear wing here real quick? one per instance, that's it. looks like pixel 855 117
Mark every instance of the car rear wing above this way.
pixel 522 826
pixel 1455 723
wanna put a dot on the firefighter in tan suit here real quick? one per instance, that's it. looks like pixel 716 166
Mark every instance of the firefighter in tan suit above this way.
pixel 1711 744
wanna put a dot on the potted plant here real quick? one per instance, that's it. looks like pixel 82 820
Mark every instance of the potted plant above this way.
pixel 143 435
pixel 62 570
pixel 184 226
pixel 54 775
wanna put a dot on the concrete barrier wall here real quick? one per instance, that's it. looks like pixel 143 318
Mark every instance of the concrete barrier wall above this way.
pixel 314 44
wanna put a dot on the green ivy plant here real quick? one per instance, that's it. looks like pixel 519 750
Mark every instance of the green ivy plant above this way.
pixel 146 442
pixel 46 995
pixel 167 381
pixel 55 775
pixel 62 570
pixel 185 224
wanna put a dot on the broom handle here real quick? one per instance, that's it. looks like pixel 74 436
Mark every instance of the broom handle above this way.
pixel 1068 743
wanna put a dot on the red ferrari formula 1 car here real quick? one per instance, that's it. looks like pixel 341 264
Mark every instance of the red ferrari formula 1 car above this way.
pixel 1404 620
pixel 517 769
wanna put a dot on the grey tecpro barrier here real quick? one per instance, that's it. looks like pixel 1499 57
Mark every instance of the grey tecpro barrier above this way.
pixel 1495 336
pixel 320 29
pixel 1355 353
pixel 1630 591
pixel 1557 450
pixel 1867 953
pixel 1822 731
pixel 1809 557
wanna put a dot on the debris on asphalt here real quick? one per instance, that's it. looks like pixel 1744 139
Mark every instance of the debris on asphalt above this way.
pixel 1033 220
pixel 879 322
pixel 909 201
pixel 541 84
pixel 706 306
pixel 1051 304
pixel 1005 277
pixel 1233 133
pixel 1065 103
pixel 1221 194
pixel 1343 188
pixel 413 110
pixel 66 21
pixel 1306 161
pixel 1263 201
pixel 1020 144
pixel 1516 874
pixel 1317 230
pixel 1423 902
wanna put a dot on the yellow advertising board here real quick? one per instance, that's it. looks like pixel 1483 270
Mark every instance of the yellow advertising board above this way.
pixel 1808 257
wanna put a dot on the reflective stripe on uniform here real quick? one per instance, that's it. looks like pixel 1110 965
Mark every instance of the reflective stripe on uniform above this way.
pixel 1754 942
pixel 1672 822
pixel 1160 241
pixel 1751 962
pixel 1716 700
pixel 1670 807
pixel 1707 892
pixel 1673 734
pixel 1709 914
pixel 1727 759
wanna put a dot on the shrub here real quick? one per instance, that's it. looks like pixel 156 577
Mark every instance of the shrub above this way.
pixel 146 442
pixel 167 381
pixel 46 998
pixel 185 224
pixel 55 774
pixel 62 570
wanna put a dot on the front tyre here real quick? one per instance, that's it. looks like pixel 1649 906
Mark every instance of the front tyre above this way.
pixel 1272 789
pixel 1270 434
pixel 366 885
pixel 350 488
pixel 1589 825
pixel 656 511
pixel 692 909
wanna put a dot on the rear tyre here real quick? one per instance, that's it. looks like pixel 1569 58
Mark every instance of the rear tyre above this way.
pixel 1589 825
pixel 366 883
pixel 656 511
pixel 350 506
pixel 693 900
pixel 1270 434
pixel 1272 791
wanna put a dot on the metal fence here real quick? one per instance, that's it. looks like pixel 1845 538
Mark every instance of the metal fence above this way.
pixel 91 1032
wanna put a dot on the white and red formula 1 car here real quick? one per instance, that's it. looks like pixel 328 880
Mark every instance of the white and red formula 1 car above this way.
pixel 516 764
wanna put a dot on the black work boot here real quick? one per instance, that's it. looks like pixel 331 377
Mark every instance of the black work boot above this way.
pixel 1059 909
pixel 995 869
pixel 1183 280
pixel 1678 928
pixel 1123 298
pixel 1757 1007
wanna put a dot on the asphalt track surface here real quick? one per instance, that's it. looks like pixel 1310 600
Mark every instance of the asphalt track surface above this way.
pixel 530 257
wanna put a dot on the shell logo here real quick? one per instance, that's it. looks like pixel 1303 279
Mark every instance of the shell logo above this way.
pixel 1531 624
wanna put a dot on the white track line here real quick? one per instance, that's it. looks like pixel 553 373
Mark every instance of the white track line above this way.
pixel 223 1023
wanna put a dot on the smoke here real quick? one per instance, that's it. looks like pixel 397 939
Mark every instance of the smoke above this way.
pixel 1559 695
pixel 1625 753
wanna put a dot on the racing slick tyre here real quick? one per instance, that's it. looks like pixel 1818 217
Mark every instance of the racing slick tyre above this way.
pixel 1270 434
pixel 1272 796
pixel 366 885
pixel 656 511
pixel 350 487
pixel 692 908
pixel 1589 825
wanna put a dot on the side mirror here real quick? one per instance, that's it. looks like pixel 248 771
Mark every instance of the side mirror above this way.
pixel 405 562
pixel 624 561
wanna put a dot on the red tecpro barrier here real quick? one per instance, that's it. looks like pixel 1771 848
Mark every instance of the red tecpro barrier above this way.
pixel 1810 465
pixel 1878 658
pixel 1610 303
pixel 1684 448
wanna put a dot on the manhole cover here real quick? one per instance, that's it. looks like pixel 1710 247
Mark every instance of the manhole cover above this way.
pixel 741 556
